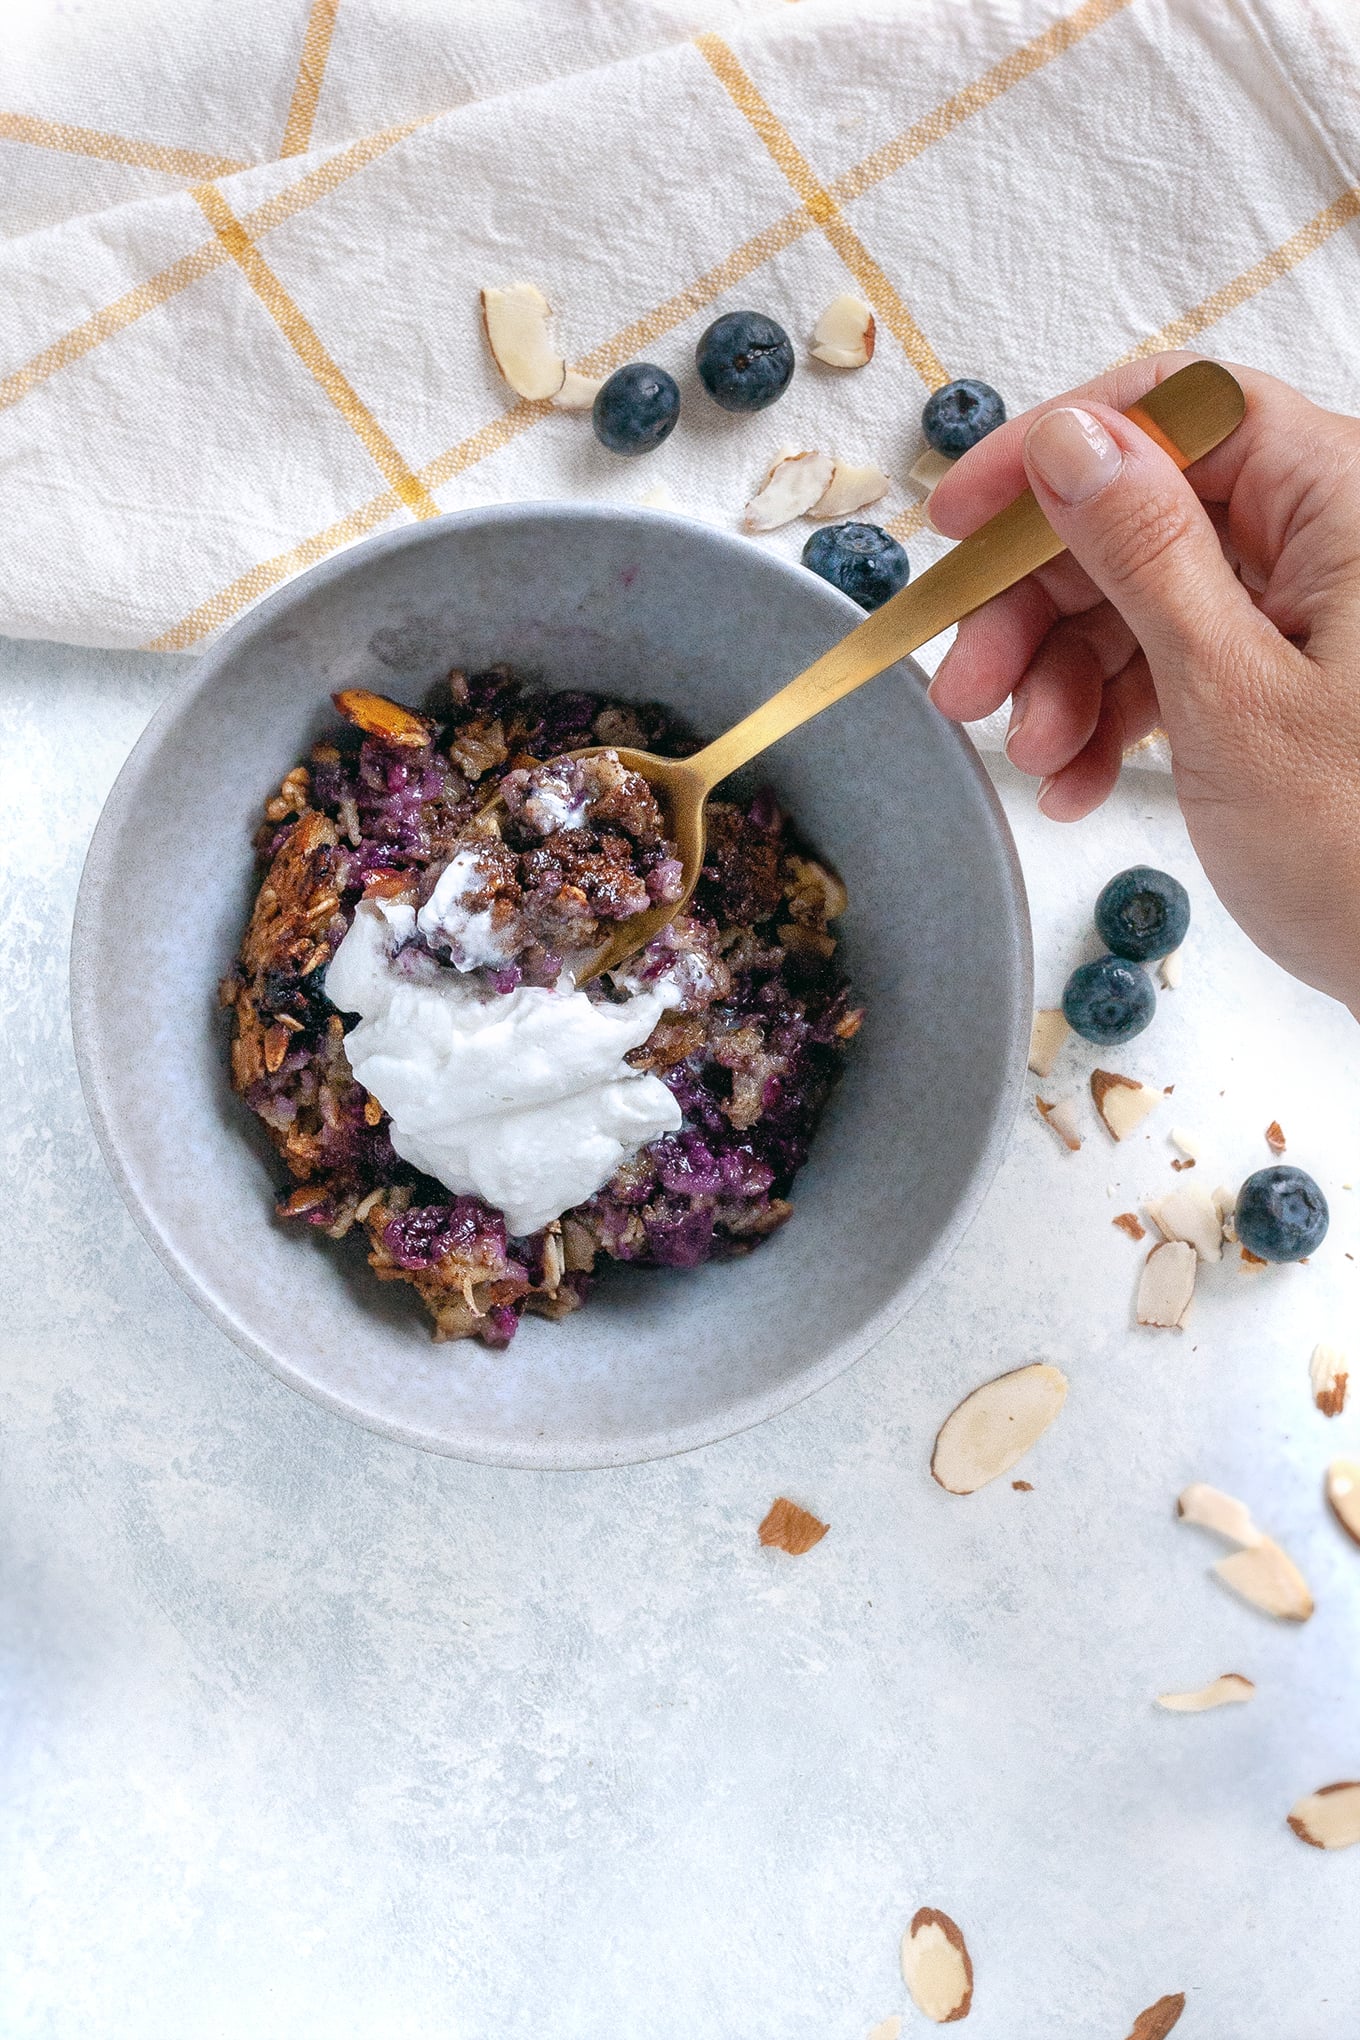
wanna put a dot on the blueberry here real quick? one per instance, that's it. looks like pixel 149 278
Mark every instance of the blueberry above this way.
pixel 859 559
pixel 636 409
pixel 960 414
pixel 1109 1000
pixel 1281 1214
pixel 744 361
pixel 1143 913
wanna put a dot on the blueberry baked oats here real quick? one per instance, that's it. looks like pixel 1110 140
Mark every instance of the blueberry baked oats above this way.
pixel 406 1025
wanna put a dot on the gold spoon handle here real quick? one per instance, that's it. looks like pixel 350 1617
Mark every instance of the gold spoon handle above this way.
pixel 1188 415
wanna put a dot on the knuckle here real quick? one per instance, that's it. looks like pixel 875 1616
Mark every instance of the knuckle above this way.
pixel 1141 531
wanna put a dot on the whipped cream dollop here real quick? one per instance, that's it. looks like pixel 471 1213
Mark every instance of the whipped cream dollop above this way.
pixel 522 1098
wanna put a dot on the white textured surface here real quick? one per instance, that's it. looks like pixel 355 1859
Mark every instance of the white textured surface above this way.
pixel 311 1736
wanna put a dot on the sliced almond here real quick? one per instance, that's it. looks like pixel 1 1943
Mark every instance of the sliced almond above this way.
pixel 1225 1204
pixel 1190 1214
pixel 379 717
pixel 1169 970
pixel 929 469
pixel 1156 2022
pixel 1122 1102
pixel 1343 1493
pixel 850 488
pixel 1062 1117
pixel 1166 1288
pixel 792 1529
pixel 578 392
pixel 937 1968
pixel 844 335
pixel 789 490
pixel 658 497
pixel 1227 1691
pixel 1275 1137
pixel 1329 1372
pixel 1128 1222
pixel 516 322
pixel 1187 1144
pixel 1208 1508
pixel 995 1426
pixel 886 2029
pixel 1330 1817
pixel 1268 1578
pixel 1047 1033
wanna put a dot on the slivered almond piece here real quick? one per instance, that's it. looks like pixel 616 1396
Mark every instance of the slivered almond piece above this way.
pixel 1156 2022
pixel 937 1968
pixel 578 392
pixel 844 335
pixel 1128 1222
pixel 1268 1578
pixel 793 1529
pixel 1275 1137
pixel 1225 1204
pixel 1226 1691
pixel 380 717
pixel 1208 1508
pixel 1329 1372
pixel 1187 1144
pixel 1330 1817
pixel 995 1426
pixel 1166 1288
pixel 789 490
pixel 1169 970
pixel 1122 1102
pixel 1190 1214
pixel 886 2029
pixel 929 468
pixel 1343 1494
pixel 1062 1117
pixel 850 488
pixel 1047 1033
pixel 516 322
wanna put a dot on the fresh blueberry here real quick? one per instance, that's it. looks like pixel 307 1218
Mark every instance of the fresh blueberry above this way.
pixel 1143 914
pixel 744 361
pixel 1109 1000
pixel 636 409
pixel 859 559
pixel 960 414
pixel 1281 1214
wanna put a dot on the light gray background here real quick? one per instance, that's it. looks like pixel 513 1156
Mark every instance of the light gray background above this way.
pixel 311 1736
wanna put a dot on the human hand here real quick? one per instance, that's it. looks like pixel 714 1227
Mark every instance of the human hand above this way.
pixel 1223 605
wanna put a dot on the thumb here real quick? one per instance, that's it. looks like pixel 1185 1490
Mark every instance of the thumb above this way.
pixel 1129 517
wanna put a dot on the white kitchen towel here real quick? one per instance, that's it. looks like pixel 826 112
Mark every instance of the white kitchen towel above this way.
pixel 244 241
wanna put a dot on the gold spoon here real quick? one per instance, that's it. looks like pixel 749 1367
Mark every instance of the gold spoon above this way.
pixel 1188 415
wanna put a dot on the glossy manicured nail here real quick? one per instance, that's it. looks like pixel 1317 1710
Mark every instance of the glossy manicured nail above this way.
pixel 1072 454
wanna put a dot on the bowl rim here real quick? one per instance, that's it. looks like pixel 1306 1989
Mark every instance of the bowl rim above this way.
pixel 100 1092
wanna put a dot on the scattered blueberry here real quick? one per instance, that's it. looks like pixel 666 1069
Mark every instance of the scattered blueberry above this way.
pixel 744 361
pixel 859 559
pixel 1109 1001
pixel 636 409
pixel 1143 914
pixel 1281 1214
pixel 960 414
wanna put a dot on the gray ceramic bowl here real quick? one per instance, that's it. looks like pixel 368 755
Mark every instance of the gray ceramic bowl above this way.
pixel 936 939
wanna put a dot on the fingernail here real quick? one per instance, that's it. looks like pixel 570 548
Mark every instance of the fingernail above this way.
pixel 1019 717
pixel 1072 453
pixel 1041 797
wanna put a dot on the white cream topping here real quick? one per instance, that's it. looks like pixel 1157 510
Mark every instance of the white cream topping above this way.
pixel 472 938
pixel 522 1099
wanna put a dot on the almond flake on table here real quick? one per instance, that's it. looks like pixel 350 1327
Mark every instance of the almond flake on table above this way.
pixel 1343 1495
pixel 1048 1031
pixel 1187 1143
pixel 937 1968
pixel 886 2029
pixel 1062 1117
pixel 789 490
pixel 929 469
pixel 1156 2022
pixel 1130 1223
pixel 1169 970
pixel 1329 1373
pixel 1330 1817
pixel 850 488
pixel 578 392
pixel 516 322
pixel 1122 1102
pixel 1228 1691
pixel 1189 1214
pixel 994 1427
pixel 792 1529
pixel 1275 1137
pixel 1166 1287
pixel 1260 1571
pixel 844 335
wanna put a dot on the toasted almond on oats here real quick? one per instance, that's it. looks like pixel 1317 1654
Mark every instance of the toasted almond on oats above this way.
pixel 792 1529
pixel 310 1197
pixel 1343 1495
pixel 276 1039
pixel 1330 1817
pixel 1169 970
pixel 1187 1144
pixel 886 2029
pixel 1166 1288
pixel 1122 1102
pixel 995 1426
pixel 1156 2022
pixel 1047 1033
pixel 937 1968
pixel 1329 1372
pixel 1128 1222
pixel 789 490
pixel 850 488
pixel 1266 1576
pixel 379 717
pixel 1227 1691
pixel 578 392
pixel 929 468
pixel 844 335
pixel 516 322
pixel 1275 1137
pixel 1190 1214
pixel 1062 1117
